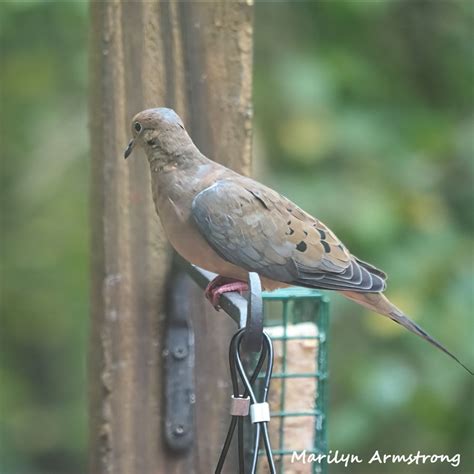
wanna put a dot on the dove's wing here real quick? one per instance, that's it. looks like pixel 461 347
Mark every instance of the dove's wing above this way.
pixel 257 229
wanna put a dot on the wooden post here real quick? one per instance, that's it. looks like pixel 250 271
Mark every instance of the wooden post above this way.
pixel 196 58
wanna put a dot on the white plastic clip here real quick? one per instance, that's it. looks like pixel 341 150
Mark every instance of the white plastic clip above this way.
pixel 259 412
pixel 239 406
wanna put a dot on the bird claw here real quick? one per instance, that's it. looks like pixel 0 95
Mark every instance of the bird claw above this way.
pixel 221 285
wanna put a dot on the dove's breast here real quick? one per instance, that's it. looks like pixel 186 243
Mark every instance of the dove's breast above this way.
pixel 173 200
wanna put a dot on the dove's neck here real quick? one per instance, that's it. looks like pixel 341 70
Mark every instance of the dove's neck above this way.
pixel 181 158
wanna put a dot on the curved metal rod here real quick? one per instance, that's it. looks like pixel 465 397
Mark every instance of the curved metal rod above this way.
pixel 246 312
pixel 253 336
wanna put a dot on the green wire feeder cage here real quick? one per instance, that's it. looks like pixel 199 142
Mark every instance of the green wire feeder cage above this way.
pixel 296 319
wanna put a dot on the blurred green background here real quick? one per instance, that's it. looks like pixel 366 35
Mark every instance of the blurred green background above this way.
pixel 363 116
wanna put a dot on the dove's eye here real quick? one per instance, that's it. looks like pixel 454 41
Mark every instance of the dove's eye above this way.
pixel 137 127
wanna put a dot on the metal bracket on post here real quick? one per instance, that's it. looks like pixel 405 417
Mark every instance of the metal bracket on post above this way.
pixel 179 367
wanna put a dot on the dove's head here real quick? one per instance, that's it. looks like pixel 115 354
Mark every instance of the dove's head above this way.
pixel 159 131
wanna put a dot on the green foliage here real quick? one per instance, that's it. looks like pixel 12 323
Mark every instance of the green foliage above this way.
pixel 44 254
pixel 364 116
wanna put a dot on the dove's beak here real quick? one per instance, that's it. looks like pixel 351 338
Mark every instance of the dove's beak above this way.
pixel 129 148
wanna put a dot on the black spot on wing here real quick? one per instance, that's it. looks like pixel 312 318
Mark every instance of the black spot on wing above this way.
pixel 301 247
pixel 326 246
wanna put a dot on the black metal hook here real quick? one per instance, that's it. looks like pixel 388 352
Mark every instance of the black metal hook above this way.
pixel 253 337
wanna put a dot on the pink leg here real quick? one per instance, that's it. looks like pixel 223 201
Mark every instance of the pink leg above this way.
pixel 218 281
pixel 221 285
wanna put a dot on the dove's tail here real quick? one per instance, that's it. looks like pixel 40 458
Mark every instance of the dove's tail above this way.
pixel 380 304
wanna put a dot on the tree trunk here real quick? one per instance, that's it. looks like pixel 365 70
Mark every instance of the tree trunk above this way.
pixel 195 58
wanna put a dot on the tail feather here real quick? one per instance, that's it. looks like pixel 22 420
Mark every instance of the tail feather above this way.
pixel 379 303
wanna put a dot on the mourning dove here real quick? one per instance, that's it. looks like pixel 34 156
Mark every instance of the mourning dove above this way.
pixel 230 224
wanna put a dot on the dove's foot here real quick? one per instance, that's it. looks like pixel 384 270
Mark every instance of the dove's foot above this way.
pixel 221 285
